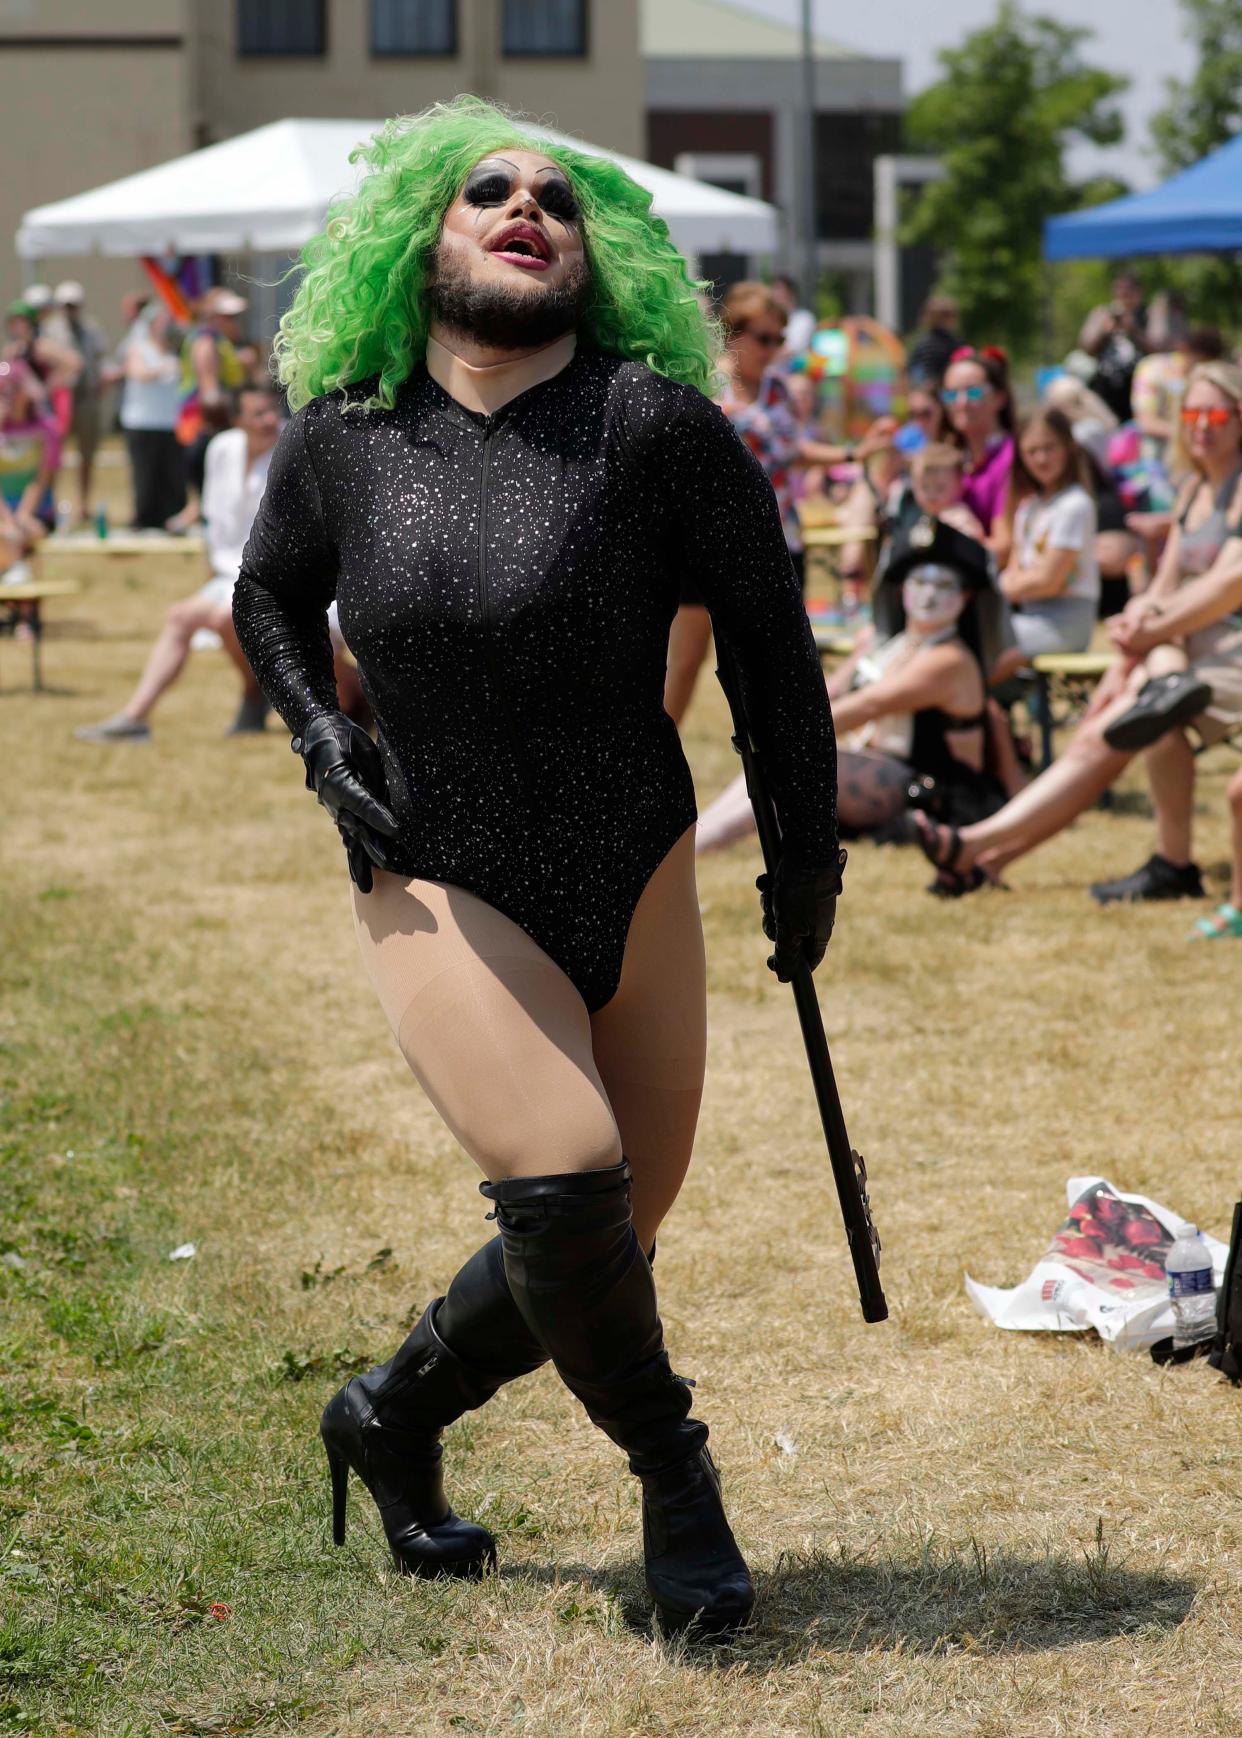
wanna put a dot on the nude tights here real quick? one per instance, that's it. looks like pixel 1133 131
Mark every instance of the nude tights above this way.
pixel 528 1081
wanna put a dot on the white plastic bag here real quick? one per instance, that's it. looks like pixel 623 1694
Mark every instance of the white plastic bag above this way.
pixel 1103 1270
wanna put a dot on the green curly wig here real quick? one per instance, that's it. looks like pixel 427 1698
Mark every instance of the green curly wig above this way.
pixel 360 309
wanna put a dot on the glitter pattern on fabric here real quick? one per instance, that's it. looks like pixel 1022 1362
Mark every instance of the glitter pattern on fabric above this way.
pixel 506 584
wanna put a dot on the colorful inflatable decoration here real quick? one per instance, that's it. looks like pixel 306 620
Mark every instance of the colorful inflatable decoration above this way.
pixel 858 367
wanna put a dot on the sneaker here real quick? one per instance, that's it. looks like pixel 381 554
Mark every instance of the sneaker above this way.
pixel 1163 703
pixel 116 729
pixel 1157 879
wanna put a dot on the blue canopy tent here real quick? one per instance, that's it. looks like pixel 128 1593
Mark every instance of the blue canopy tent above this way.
pixel 1198 211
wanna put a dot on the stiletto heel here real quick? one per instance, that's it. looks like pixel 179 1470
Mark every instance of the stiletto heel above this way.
pixel 338 1466
pixel 397 1456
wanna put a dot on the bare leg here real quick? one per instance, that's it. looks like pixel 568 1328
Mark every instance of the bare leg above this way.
pixel 491 1028
pixel 1086 769
pixel 167 656
pixel 650 1040
pixel 688 642
pixel 726 818
pixel 1171 776
pixel 1235 822
pixel 1005 763
pixel 221 622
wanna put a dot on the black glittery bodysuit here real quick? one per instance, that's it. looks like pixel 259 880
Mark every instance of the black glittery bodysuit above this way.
pixel 506 584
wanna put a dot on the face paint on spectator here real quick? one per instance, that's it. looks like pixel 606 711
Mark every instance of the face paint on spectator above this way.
pixel 932 597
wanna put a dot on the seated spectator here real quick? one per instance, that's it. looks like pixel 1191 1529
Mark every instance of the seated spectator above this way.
pixel 1090 418
pixel 1156 392
pixel 937 484
pixel 1181 647
pixel 29 455
pixel 979 401
pixel 1226 920
pixel 911 709
pixel 756 400
pixel 926 417
pixel 235 472
pixel 1116 545
pixel 1052 581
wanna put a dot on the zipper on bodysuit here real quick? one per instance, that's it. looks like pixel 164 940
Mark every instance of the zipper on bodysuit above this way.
pixel 491 662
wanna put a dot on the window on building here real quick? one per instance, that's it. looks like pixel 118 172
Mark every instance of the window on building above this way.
pixel 281 27
pixel 846 147
pixel 414 27
pixel 545 27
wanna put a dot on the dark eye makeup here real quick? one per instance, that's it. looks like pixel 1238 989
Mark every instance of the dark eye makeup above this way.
pixel 486 186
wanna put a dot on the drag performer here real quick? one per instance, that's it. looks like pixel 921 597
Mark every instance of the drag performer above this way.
pixel 501 465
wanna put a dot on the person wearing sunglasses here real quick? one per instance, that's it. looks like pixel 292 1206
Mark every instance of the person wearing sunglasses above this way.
pixel 756 400
pixel 501 462
pixel 1181 648
pixel 978 399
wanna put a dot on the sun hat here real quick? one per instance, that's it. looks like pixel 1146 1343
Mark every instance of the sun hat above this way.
pixel 69 294
pixel 220 300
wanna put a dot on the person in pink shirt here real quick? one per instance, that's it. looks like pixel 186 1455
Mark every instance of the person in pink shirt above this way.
pixel 979 401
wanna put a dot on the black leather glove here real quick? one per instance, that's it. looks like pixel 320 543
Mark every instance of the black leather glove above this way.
pixel 346 772
pixel 799 910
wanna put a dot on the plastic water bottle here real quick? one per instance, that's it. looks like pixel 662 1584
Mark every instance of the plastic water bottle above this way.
pixel 1189 1267
pixel 101 521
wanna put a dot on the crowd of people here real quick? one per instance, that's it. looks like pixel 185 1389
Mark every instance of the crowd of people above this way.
pixel 1115 500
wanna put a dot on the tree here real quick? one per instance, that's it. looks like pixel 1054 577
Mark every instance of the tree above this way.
pixel 1012 98
pixel 1206 112
pixel 1201 115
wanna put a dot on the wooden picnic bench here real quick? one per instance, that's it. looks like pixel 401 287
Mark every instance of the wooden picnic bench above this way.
pixel 832 642
pixel 1076 672
pixel 35 592
pixel 127 557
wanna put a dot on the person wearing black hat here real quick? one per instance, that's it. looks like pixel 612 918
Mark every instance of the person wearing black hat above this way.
pixel 910 706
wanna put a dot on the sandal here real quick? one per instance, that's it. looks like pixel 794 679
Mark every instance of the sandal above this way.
pixel 956 883
pixel 1225 920
pixel 939 842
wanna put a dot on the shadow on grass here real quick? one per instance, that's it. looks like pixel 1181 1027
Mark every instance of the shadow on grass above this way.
pixel 936 1603
pixel 980 1603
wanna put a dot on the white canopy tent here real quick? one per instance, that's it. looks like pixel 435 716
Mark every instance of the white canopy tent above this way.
pixel 268 191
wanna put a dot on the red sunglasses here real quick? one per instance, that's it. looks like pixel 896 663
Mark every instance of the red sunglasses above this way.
pixel 1217 417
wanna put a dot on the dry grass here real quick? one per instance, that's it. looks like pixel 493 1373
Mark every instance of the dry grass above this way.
pixel 978 1533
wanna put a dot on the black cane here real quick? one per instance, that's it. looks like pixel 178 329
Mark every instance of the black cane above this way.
pixel 848 1167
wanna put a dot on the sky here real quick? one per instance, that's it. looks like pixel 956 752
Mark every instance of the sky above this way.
pixel 1142 39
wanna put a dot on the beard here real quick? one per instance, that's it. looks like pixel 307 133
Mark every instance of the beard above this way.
pixel 501 316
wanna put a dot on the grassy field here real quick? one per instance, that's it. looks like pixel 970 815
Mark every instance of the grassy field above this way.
pixel 963 1532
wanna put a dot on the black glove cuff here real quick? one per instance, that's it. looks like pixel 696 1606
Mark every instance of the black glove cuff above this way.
pixel 322 743
pixel 827 879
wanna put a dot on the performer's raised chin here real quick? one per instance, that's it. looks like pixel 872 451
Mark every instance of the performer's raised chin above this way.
pixel 502 464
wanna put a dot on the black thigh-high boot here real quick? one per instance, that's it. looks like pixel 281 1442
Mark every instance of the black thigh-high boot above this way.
pixel 584 1286
pixel 386 1424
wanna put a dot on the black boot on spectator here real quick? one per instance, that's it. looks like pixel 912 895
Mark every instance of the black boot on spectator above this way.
pixel 1157 879
pixel 580 1278
pixel 251 715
